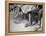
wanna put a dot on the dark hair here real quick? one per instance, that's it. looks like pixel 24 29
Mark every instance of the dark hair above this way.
pixel 40 6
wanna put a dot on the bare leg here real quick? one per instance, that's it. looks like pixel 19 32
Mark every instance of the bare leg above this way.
pixel 29 18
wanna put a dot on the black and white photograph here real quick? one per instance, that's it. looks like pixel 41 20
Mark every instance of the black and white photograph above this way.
pixel 25 17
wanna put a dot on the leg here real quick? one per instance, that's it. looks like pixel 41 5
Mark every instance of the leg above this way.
pixel 30 21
